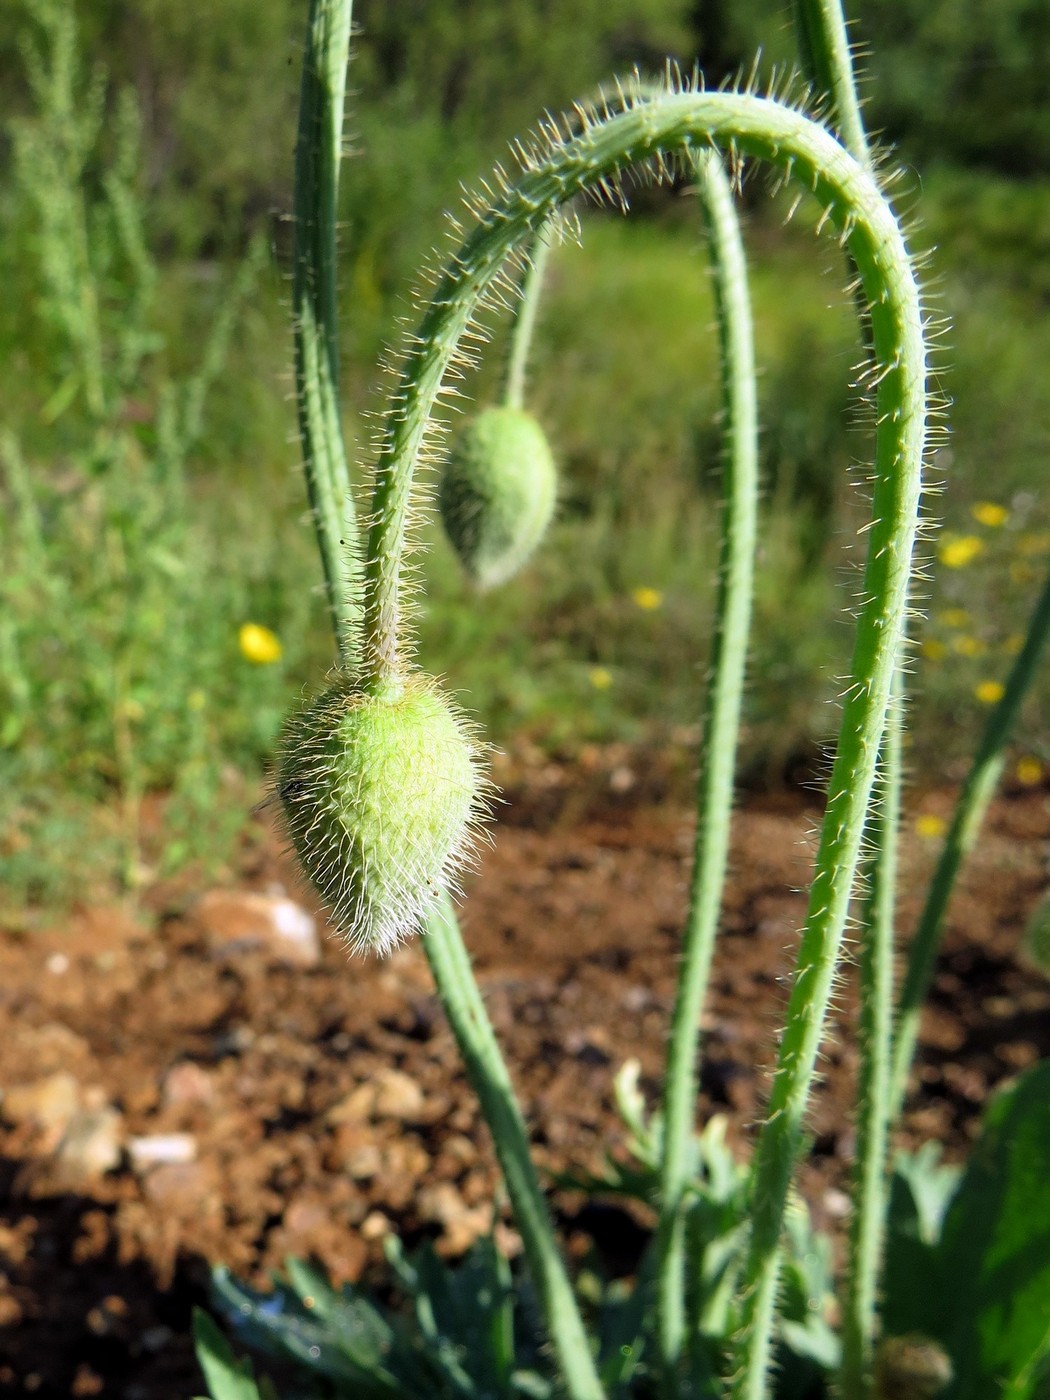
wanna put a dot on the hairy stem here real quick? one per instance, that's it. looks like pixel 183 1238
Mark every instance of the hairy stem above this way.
pixel 759 127
pixel 489 1079
pixel 317 156
pixel 981 782
pixel 875 1036
pixel 824 47
pixel 752 126
pixel 525 320
pixel 718 749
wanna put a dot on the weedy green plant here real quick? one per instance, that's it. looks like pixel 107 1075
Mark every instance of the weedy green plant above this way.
pixel 733 1285
pixel 119 602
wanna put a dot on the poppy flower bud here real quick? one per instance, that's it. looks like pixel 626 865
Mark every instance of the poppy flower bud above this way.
pixel 381 796
pixel 497 493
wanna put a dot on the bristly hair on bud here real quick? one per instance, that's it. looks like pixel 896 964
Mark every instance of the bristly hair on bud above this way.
pixel 497 493
pixel 382 796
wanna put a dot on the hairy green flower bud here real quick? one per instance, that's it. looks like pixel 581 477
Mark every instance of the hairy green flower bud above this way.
pixel 381 796
pixel 497 493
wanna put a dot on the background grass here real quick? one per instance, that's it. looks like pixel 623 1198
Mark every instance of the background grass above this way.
pixel 137 535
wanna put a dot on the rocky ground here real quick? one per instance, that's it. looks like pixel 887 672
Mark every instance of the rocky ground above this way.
pixel 208 1078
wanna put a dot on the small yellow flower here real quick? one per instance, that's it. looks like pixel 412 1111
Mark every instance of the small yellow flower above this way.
pixel 990 514
pixel 965 645
pixel 196 700
pixel 600 678
pixel 959 550
pixel 1029 771
pixel 954 617
pixel 933 650
pixel 1013 643
pixel 929 826
pixel 1037 543
pixel 258 644
pixel 989 692
pixel 648 599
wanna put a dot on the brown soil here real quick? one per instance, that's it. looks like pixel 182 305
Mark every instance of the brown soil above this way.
pixel 327 1105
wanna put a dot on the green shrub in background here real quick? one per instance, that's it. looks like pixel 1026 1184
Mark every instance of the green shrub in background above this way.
pixel 121 673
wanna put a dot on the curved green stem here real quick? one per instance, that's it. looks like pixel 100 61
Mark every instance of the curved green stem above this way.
pixel 753 126
pixel 759 127
pixel 718 749
pixel 525 320
pixel 317 155
pixel 458 990
pixel 981 782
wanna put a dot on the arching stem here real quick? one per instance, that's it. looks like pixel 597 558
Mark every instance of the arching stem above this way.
pixel 758 127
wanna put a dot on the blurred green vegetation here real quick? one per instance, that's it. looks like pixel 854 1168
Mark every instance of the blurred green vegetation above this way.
pixel 149 505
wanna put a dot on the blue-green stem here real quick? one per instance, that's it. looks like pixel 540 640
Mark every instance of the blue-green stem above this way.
pixel 525 319
pixel 318 151
pixel 718 748
pixel 980 785
pixel 450 964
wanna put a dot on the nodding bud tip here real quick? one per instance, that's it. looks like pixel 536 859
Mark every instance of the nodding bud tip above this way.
pixel 381 796
pixel 497 493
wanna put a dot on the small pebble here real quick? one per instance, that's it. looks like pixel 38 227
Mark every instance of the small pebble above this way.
pixel 161 1149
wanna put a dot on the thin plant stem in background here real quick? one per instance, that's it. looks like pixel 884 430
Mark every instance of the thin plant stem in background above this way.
pixel 718 749
pixel 977 792
pixel 824 48
pixel 318 153
pixel 525 314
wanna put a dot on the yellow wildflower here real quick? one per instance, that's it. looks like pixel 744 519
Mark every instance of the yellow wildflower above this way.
pixel 989 692
pixel 929 826
pixel 648 599
pixel 258 644
pixel 600 677
pixel 956 551
pixel 1013 643
pixel 1036 543
pixel 1029 771
pixel 990 514
pixel 932 649
pixel 966 645
pixel 954 617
